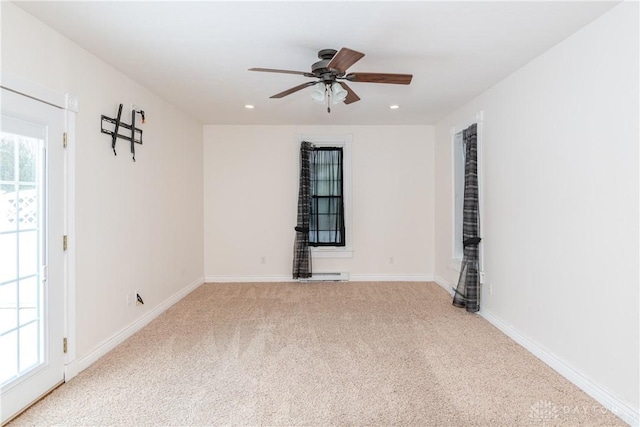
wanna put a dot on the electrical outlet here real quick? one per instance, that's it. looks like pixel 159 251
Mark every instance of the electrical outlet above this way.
pixel 391 260
pixel 263 260
pixel 490 289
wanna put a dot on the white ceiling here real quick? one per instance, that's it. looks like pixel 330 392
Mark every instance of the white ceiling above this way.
pixel 196 54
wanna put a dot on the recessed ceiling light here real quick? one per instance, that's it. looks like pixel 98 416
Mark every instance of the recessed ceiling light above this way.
pixel 249 107
pixel 394 107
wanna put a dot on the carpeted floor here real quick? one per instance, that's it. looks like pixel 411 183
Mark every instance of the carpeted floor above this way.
pixel 293 354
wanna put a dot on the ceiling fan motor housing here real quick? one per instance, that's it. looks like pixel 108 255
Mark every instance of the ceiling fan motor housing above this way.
pixel 320 70
pixel 327 53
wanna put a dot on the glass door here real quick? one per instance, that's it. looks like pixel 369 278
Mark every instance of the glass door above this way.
pixel 31 251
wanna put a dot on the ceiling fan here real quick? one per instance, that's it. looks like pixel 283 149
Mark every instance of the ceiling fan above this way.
pixel 331 68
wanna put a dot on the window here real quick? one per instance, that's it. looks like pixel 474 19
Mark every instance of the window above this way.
pixel 343 142
pixel 326 224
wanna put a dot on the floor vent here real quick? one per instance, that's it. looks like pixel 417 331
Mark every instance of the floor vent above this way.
pixel 327 277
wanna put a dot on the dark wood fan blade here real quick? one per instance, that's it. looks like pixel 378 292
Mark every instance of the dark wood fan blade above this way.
pixel 351 95
pixel 271 70
pixel 344 59
pixel 292 90
pixel 398 79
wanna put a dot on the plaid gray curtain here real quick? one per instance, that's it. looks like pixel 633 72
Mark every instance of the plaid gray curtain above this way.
pixel 467 291
pixel 301 252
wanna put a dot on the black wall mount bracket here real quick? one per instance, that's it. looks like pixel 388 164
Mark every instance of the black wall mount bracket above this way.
pixel 134 136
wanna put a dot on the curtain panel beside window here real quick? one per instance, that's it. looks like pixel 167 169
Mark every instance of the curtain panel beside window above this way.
pixel 301 253
pixel 467 293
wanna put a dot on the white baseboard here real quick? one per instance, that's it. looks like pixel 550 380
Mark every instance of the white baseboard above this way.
pixel 109 344
pixel 391 278
pixel 252 279
pixel 443 284
pixel 604 397
pixel 71 369
pixel 352 278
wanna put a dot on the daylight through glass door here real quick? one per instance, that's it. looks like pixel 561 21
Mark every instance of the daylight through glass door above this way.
pixel 21 245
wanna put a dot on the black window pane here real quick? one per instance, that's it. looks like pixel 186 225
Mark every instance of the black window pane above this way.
pixel 327 222
pixel 329 237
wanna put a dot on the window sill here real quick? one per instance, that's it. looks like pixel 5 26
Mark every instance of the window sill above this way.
pixel 332 252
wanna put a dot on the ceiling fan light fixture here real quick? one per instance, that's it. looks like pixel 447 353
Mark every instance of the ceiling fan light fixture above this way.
pixel 318 92
pixel 338 94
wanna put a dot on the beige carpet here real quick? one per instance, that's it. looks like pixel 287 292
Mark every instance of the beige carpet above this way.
pixel 318 354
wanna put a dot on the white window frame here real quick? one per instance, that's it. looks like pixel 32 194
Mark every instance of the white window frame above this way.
pixel 456 258
pixel 343 141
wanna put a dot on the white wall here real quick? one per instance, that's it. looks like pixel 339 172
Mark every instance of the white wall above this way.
pixel 251 190
pixel 561 201
pixel 139 225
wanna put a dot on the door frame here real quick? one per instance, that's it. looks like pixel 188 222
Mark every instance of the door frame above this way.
pixel 69 104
